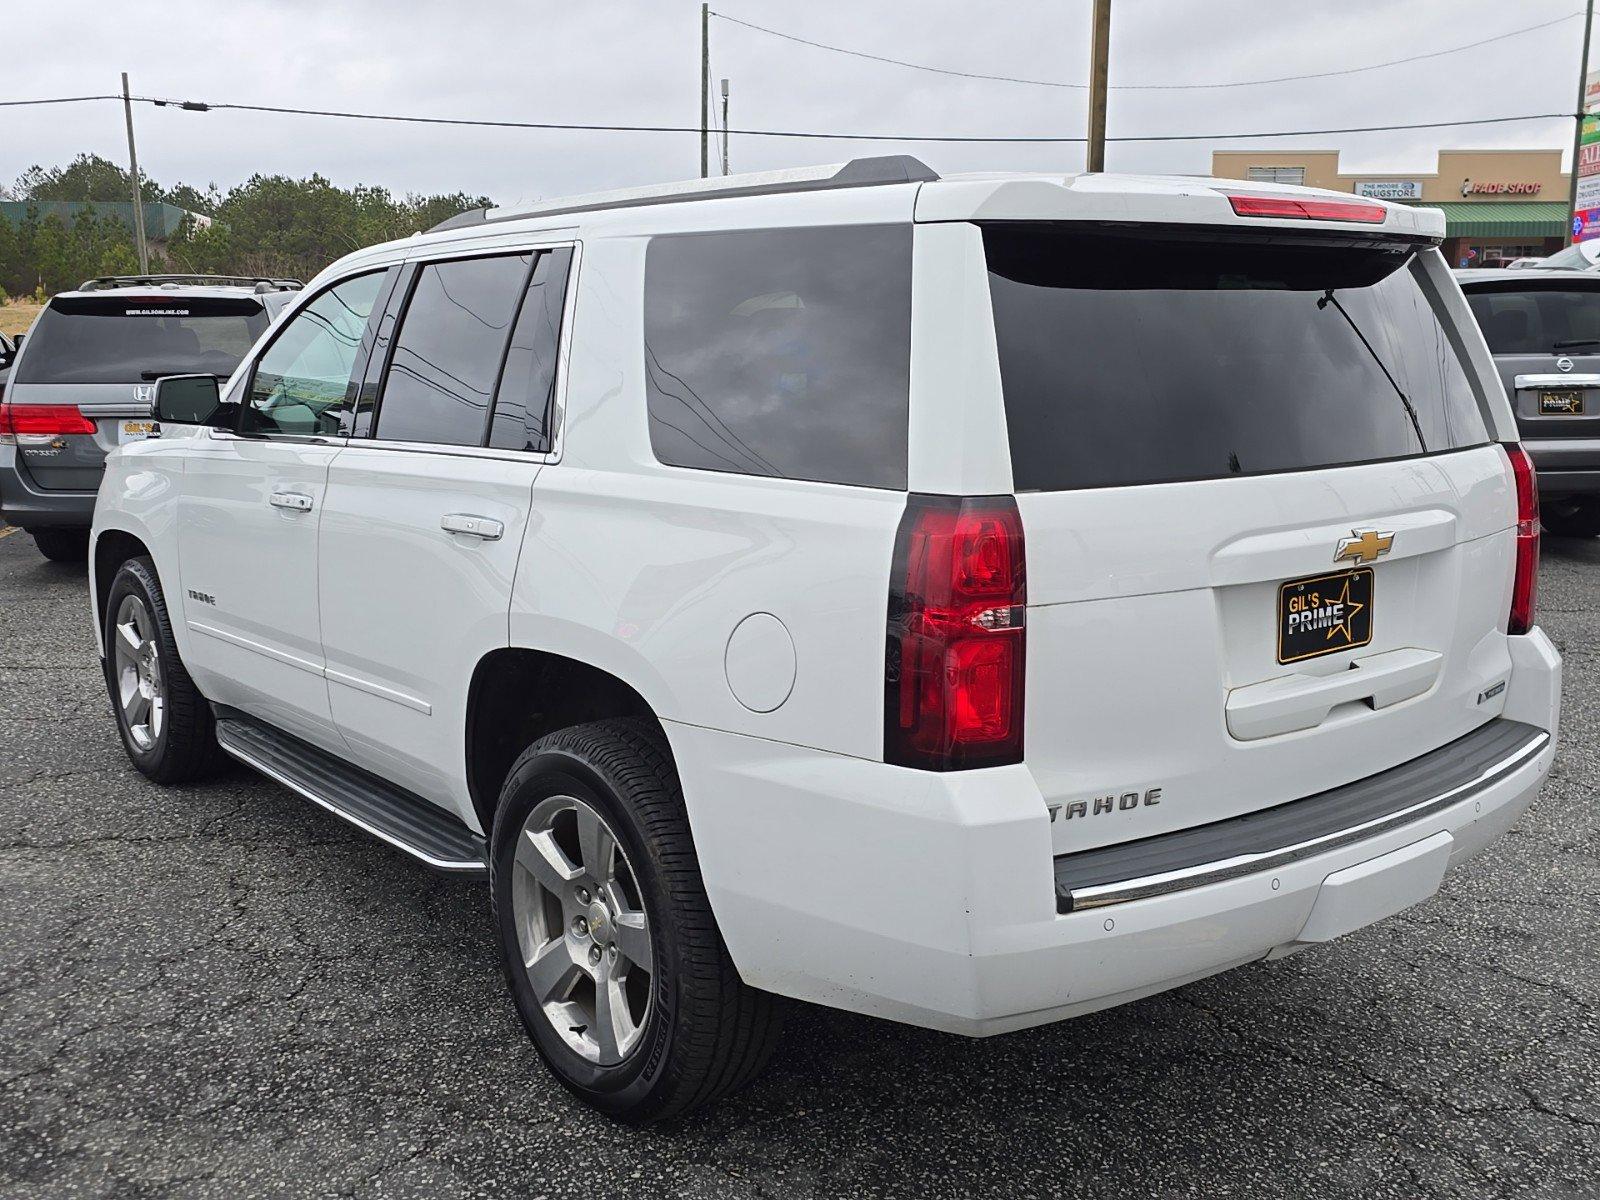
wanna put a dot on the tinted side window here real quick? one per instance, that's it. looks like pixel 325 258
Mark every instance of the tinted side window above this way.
pixel 527 385
pixel 302 383
pixel 448 351
pixel 781 352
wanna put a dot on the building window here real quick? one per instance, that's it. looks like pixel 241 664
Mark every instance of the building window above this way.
pixel 1294 175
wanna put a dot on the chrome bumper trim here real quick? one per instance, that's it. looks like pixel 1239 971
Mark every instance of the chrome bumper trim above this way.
pixel 1123 891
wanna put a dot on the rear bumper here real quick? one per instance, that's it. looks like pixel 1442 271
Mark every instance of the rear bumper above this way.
pixel 21 503
pixel 1565 465
pixel 930 899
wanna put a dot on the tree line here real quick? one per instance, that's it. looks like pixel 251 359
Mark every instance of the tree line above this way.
pixel 269 225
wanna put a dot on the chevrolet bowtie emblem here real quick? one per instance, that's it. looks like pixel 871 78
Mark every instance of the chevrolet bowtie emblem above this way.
pixel 1364 546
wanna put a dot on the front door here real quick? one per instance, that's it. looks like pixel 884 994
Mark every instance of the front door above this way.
pixel 424 521
pixel 247 520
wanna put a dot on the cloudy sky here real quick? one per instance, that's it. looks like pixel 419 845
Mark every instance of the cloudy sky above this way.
pixel 631 62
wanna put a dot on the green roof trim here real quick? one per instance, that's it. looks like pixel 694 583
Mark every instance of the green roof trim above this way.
pixel 1503 218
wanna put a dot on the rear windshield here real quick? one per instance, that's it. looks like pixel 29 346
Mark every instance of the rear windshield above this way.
pixel 125 339
pixel 1130 359
pixel 1538 320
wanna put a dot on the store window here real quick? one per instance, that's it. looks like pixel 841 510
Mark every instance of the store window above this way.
pixel 1294 175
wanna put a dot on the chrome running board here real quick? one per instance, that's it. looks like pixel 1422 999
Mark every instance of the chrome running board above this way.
pixel 393 815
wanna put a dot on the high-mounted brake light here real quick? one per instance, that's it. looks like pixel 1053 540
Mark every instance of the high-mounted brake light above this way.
pixel 1308 210
pixel 953 671
pixel 41 420
pixel 1525 587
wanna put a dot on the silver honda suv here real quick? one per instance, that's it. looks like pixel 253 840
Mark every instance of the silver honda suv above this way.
pixel 83 378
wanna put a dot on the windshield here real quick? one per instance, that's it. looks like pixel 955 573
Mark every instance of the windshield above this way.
pixel 1130 358
pixel 126 339
pixel 1580 256
pixel 1538 320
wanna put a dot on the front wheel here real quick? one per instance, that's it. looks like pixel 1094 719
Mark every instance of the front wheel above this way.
pixel 1571 518
pixel 166 724
pixel 610 948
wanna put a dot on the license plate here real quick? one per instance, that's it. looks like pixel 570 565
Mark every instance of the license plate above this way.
pixel 1324 614
pixel 136 431
pixel 1568 402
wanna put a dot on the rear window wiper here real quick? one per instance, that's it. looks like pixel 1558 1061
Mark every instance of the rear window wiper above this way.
pixel 1574 343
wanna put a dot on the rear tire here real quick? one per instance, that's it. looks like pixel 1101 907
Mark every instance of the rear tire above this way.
pixel 166 724
pixel 62 545
pixel 1571 518
pixel 694 1032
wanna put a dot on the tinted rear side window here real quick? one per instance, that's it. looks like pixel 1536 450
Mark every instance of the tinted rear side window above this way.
pixel 528 382
pixel 1538 320
pixel 123 339
pixel 1130 359
pixel 448 352
pixel 782 352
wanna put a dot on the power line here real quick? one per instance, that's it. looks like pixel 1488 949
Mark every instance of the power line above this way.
pixel 821 135
pixel 59 100
pixel 1139 87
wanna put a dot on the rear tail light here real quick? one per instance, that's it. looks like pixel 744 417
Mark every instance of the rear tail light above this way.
pixel 953 671
pixel 1308 210
pixel 41 420
pixel 1525 588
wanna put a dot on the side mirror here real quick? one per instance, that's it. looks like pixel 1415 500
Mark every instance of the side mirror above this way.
pixel 186 400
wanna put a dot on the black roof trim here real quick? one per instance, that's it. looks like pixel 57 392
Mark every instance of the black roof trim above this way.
pixel 879 171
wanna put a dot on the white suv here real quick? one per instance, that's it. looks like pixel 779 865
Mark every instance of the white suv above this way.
pixel 662 555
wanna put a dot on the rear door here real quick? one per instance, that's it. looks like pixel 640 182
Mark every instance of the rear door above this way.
pixel 424 520
pixel 102 355
pixel 1269 546
pixel 1544 334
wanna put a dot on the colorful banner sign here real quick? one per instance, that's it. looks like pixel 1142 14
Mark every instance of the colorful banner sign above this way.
pixel 1586 212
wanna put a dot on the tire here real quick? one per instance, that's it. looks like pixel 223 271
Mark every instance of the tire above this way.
pixel 702 1033
pixel 1571 518
pixel 62 545
pixel 176 742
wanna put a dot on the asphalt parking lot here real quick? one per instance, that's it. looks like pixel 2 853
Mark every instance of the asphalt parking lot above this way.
pixel 220 991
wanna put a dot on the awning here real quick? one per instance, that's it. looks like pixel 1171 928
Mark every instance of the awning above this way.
pixel 1504 218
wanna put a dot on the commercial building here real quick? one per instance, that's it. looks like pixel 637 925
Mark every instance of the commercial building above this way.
pixel 1498 204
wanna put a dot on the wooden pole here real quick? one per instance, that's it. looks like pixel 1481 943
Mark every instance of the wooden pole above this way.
pixel 705 90
pixel 138 195
pixel 1099 54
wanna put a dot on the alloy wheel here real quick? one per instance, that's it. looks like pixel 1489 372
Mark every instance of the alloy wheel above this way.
pixel 141 687
pixel 582 929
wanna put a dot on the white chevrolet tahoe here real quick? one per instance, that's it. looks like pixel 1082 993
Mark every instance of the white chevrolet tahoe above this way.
pixel 972 601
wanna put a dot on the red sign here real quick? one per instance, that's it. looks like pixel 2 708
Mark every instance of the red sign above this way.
pixel 1468 188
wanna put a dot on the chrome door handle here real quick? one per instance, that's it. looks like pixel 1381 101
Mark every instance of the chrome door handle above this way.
pixel 486 528
pixel 295 501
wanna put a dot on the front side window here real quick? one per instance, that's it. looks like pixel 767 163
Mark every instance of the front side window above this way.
pixel 449 348
pixel 782 352
pixel 303 383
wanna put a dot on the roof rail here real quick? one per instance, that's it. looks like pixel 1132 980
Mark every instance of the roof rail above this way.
pixel 858 172
pixel 258 282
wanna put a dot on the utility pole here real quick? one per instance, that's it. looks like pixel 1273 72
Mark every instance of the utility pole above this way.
pixel 724 126
pixel 1577 123
pixel 138 196
pixel 1100 52
pixel 705 90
